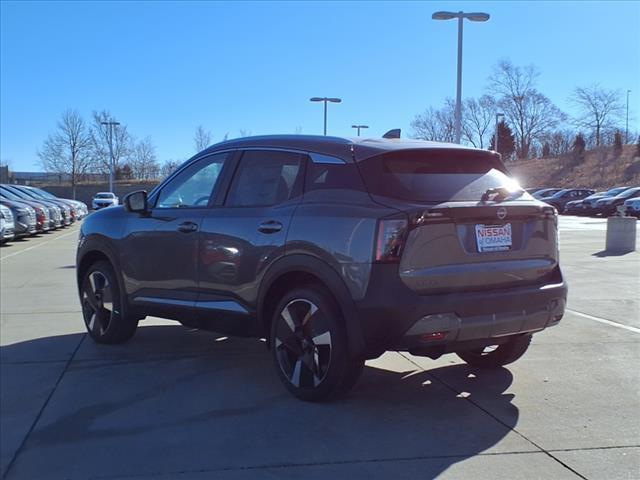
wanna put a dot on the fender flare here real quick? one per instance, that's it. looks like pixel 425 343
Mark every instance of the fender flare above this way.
pixel 334 283
pixel 103 246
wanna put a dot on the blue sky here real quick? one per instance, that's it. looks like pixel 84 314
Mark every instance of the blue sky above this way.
pixel 164 68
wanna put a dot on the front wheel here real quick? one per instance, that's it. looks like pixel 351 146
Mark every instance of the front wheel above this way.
pixel 494 356
pixel 104 314
pixel 309 346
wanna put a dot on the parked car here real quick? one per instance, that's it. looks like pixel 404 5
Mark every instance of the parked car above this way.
pixel 589 204
pixel 632 207
pixel 42 210
pixel 72 209
pixel 545 192
pixel 55 211
pixel 24 217
pixel 561 198
pixel 608 206
pixel 7 225
pixel 335 250
pixel 104 199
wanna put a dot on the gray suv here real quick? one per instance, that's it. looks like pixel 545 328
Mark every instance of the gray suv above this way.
pixel 335 250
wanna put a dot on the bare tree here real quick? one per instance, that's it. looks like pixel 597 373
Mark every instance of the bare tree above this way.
pixel 478 120
pixel 144 164
pixel 122 142
pixel 600 109
pixel 559 141
pixel 530 113
pixel 436 125
pixel 169 167
pixel 68 149
pixel 245 133
pixel 202 138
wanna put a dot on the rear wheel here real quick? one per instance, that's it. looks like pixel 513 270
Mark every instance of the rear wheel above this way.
pixel 104 314
pixel 309 346
pixel 494 356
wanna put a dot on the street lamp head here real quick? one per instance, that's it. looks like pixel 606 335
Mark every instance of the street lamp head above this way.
pixel 444 15
pixel 359 126
pixel 477 16
pixel 317 99
pixel 334 100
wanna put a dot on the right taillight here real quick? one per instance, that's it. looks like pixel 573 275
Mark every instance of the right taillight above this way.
pixel 390 239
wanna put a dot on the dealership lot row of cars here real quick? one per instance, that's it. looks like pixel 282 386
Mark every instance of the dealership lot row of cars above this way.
pixel 26 211
pixel 585 201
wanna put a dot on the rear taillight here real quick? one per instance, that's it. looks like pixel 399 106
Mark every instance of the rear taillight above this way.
pixel 390 240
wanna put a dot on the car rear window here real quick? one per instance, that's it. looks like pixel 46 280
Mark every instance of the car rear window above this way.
pixel 434 176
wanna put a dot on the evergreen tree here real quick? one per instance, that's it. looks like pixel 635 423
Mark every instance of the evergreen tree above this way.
pixel 617 144
pixel 506 141
pixel 579 144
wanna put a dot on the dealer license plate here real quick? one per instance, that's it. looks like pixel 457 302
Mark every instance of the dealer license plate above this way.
pixel 493 238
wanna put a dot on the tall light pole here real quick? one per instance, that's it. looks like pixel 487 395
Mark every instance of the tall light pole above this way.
pixel 358 127
pixel 110 125
pixel 325 100
pixel 626 129
pixel 498 115
pixel 474 17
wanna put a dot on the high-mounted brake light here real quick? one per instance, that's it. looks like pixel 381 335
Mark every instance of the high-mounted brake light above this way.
pixel 390 240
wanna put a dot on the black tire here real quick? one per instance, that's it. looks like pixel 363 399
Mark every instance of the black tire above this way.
pixel 309 346
pixel 499 356
pixel 104 312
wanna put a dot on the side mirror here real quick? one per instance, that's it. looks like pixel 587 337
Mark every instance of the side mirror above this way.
pixel 136 202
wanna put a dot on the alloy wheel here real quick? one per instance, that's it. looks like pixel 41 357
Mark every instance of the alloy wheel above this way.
pixel 303 344
pixel 97 303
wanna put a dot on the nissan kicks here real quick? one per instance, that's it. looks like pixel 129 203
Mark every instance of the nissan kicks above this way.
pixel 335 250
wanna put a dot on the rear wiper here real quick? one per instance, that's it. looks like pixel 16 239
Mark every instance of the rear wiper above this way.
pixel 499 194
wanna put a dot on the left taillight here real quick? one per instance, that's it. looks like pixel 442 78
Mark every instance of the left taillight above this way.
pixel 390 239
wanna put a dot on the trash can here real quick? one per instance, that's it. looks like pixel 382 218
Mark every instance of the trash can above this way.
pixel 621 234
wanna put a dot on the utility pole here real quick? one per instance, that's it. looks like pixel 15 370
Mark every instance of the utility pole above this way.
pixel 110 125
pixel 325 100
pixel 460 16
pixel 626 130
pixel 498 115
pixel 358 127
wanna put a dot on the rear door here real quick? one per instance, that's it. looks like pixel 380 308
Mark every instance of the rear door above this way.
pixel 455 239
pixel 243 236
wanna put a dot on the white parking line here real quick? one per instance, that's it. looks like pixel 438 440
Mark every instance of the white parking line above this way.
pixel 605 321
pixel 75 232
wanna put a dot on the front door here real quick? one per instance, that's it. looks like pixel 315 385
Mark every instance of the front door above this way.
pixel 161 248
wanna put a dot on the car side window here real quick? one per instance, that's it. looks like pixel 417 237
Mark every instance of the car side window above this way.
pixel 265 178
pixel 193 187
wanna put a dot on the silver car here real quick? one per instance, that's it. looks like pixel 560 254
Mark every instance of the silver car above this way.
pixel 7 225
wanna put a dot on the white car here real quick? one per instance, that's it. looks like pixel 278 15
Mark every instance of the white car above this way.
pixel 7 225
pixel 104 199
pixel 632 207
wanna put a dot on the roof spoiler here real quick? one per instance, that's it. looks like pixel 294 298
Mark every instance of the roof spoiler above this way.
pixel 394 133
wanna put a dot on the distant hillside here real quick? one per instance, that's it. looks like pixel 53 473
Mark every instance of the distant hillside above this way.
pixel 599 169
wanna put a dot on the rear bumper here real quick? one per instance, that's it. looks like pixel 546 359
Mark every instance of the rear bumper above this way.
pixel 393 317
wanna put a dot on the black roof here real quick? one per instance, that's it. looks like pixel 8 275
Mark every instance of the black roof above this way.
pixel 358 148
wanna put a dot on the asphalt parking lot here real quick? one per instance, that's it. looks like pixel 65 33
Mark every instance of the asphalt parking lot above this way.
pixel 181 404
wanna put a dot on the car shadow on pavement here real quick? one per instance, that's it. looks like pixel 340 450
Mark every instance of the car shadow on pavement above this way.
pixel 179 400
pixel 606 253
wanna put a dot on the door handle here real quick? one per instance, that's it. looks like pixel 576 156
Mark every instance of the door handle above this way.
pixel 270 226
pixel 188 227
